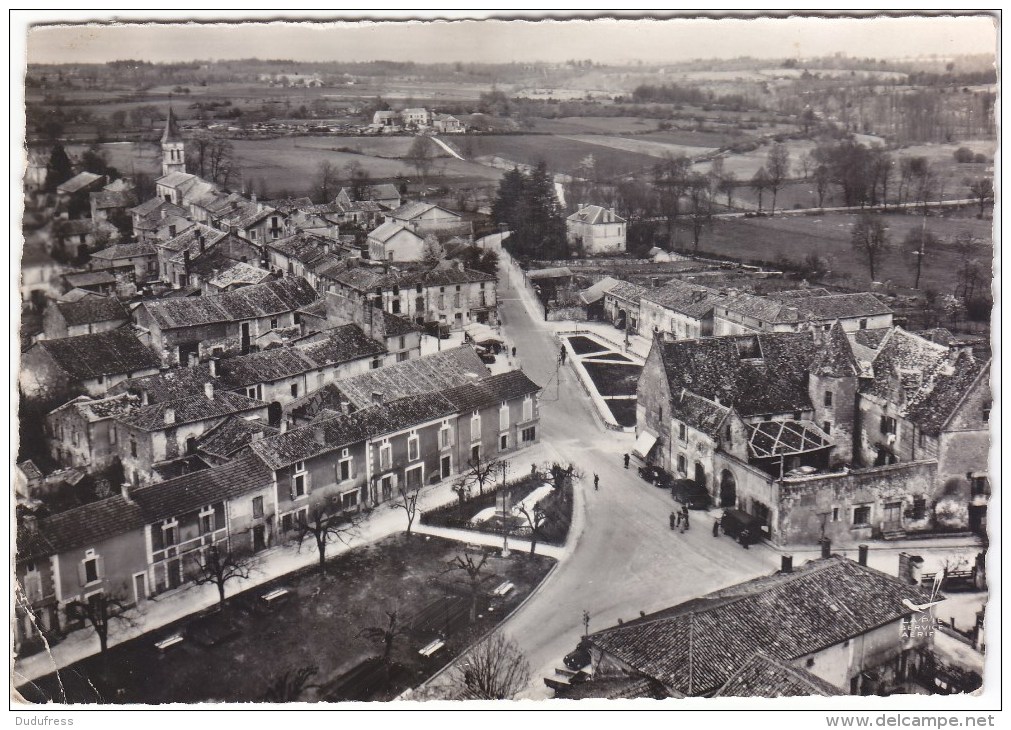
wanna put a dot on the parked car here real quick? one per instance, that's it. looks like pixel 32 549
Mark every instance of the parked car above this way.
pixel 735 522
pixel 579 657
pixel 655 476
pixel 691 493
pixel 488 358
pixel 437 329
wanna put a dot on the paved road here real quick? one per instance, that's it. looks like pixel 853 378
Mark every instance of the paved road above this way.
pixel 625 558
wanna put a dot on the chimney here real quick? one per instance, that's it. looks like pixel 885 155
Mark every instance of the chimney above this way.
pixel 200 240
pixel 209 390
pixel 910 568
pixel 319 435
pixel 826 547
pixel 580 206
pixel 192 360
pixel 252 196
pixel 186 261
pixel 786 564
pixel 30 522
pixel 862 554
pixel 377 397
pixel 170 416
pixel 256 436
pixel 212 366
pixel 144 398
pixel 124 490
pixel 284 426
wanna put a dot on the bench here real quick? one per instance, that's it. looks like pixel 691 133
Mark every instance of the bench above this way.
pixel 275 596
pixel 165 644
pixel 431 648
pixel 504 589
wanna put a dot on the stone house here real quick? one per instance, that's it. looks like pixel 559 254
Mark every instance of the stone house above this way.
pixel 82 431
pixel 85 316
pixel 622 305
pixel 161 432
pixel 393 241
pixel 228 323
pixel 679 310
pixel 147 217
pixel 595 230
pixel 424 218
pixel 141 256
pixel 684 651
pixel 89 364
pixel 793 311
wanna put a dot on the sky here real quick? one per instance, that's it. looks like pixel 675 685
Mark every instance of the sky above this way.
pixel 603 40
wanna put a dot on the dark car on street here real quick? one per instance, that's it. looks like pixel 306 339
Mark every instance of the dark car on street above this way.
pixel 736 524
pixel 691 493
pixel 656 476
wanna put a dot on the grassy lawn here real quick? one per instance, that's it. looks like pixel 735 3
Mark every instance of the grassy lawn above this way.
pixel 828 236
pixel 583 345
pixel 562 154
pixel 613 379
pixel 623 410
pixel 320 626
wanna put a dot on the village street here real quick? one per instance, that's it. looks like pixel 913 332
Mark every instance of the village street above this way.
pixel 622 557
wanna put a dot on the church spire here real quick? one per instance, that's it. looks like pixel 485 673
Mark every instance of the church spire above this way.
pixel 171 133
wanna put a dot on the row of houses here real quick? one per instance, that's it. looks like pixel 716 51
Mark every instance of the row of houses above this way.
pixel 824 434
pixel 685 310
pixel 415 118
pixel 269 482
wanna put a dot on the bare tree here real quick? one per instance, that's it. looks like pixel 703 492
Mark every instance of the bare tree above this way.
pixel 982 190
pixel 670 179
pixel 212 158
pixel 385 632
pixel 777 168
pixel 536 520
pixel 972 272
pixel 324 526
pixel 727 185
pixel 289 685
pixel 480 472
pixel 919 241
pixel 700 211
pixel 822 179
pixel 870 237
pixel 408 501
pixel 433 251
pixel 101 611
pixel 421 156
pixel 326 180
pixel 496 669
pixel 760 183
pixel 358 180
pixel 472 568
pixel 219 567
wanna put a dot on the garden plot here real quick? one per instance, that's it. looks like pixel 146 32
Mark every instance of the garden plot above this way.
pixel 609 377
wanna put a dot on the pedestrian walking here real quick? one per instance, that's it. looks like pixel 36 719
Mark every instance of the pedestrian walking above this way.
pixel 596 482
pixel 716 528
pixel 626 461
pixel 562 354
pixel 679 519
pixel 533 469
pixel 687 525
pixel 514 351
pixel 672 522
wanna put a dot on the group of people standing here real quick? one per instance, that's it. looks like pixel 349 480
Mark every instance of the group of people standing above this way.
pixel 679 520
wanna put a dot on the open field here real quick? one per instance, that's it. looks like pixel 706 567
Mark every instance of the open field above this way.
pixel 320 625
pixel 828 236
pixel 634 145
pixel 561 154
pixel 594 125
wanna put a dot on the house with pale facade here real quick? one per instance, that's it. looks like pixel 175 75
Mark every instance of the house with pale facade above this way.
pixel 593 229
pixel 793 311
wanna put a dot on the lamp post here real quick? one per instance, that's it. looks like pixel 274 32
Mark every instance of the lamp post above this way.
pixel 505 515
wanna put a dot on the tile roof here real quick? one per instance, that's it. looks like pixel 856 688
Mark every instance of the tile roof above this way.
pixel 76 295
pixel 176 179
pixel 397 326
pixel 793 294
pixel 416 208
pixel 904 363
pixel 258 300
pixel 870 338
pixel 263 367
pixel 189 410
pixel 615 688
pixel 798 309
pixel 756 374
pixel 89 278
pixel 287 205
pixel 835 357
pixel 181 382
pixel 240 273
pixel 82 526
pixel 90 310
pixel 763 676
pixel 316 402
pixel 149 206
pixel 594 214
pixel 125 251
pixel 367 278
pixel 231 435
pixel 341 344
pixel 114 352
pixel 102 408
pixel 388 230
pixel 684 297
pixel 596 292
pixel 74 227
pixel 556 272
pixel 434 372
pixel 491 391
pixel 302 246
pixel 628 291
pixel 30 470
pixel 343 430
pixel 776 438
pixel 937 401
pixel 763 308
pixel 695 648
pixel 107 199
pixel 189 240
pixel 78 182
pixel 699 413
pixel 443 276
pixel 178 467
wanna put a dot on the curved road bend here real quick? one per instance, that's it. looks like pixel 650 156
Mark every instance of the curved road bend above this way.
pixel 624 559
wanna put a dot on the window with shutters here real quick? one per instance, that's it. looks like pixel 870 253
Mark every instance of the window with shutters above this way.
pixel 682 432
pixel 682 464
pixel 529 434
pixel 133 445
pixel 89 567
pixel 385 456
pixel 475 426
pixel 112 434
pixel 528 408
pixel 412 447
pixel 257 507
pixel 862 515
pixel 444 436
pixel 503 416
pixel 828 397
pixel 300 481
pixel 169 533
pixel 344 470
pixel 207 521
pixel 887 425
